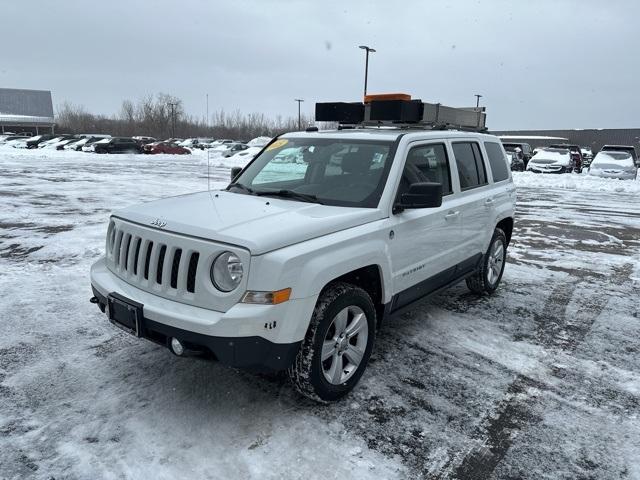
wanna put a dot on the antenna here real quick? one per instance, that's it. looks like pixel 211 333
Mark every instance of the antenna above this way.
pixel 208 175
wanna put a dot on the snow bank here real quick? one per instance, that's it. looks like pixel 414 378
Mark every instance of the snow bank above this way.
pixel 582 183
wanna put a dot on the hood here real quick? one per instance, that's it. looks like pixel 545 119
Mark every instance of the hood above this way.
pixel 260 224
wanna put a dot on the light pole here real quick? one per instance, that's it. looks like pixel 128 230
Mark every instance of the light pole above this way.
pixel 478 97
pixel 366 65
pixel 173 118
pixel 299 100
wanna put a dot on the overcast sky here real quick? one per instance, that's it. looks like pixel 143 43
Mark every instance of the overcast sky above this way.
pixel 539 64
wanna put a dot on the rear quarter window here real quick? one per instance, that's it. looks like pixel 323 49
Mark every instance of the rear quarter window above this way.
pixel 497 161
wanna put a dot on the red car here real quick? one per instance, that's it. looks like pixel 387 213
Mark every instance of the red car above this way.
pixel 164 147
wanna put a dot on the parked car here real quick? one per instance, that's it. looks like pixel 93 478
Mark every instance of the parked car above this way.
pixel 165 147
pixel 75 144
pixel 82 142
pixel 551 160
pixel 17 141
pixel 614 164
pixel 34 141
pixel 576 154
pixel 60 145
pixel 90 145
pixel 525 150
pixel 587 157
pixel 296 268
pixel 195 142
pixel 244 156
pixel 516 161
pixel 227 149
pixel 623 148
pixel 117 145
pixel 54 141
pixel 221 141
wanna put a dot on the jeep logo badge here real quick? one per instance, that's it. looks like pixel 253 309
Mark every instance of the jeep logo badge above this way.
pixel 158 223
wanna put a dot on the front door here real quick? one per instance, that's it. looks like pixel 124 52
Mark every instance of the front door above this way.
pixel 425 249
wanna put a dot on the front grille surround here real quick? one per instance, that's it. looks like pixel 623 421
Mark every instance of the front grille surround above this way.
pixel 170 265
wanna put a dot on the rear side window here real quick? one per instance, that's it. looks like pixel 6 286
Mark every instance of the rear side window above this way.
pixel 497 161
pixel 471 170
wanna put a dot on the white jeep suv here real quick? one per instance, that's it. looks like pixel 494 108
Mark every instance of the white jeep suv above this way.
pixel 324 235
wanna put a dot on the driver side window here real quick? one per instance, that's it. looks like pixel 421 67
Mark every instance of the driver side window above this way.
pixel 427 163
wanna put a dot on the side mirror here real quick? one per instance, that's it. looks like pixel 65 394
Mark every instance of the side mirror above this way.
pixel 422 195
pixel 235 171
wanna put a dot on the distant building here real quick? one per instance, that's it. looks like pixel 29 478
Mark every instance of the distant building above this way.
pixel 25 110
pixel 594 138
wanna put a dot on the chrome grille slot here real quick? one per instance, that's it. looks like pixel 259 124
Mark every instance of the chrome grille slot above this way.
pixel 193 270
pixel 124 250
pixel 147 262
pixel 175 265
pixel 116 248
pixel 160 267
pixel 132 260
pixel 169 265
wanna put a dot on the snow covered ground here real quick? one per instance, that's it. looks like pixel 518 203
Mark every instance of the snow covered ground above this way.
pixel 541 380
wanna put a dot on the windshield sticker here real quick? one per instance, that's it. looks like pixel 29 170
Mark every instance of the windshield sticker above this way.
pixel 277 144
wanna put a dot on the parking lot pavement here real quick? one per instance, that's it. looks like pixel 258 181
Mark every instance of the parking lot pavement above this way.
pixel 541 380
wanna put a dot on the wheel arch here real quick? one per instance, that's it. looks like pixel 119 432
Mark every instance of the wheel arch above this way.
pixel 370 279
pixel 506 225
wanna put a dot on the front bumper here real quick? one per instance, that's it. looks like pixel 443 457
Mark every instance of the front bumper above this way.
pixel 252 353
pixel 548 169
pixel 260 337
pixel 619 176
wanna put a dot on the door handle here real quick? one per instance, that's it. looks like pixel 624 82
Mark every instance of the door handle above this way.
pixel 488 202
pixel 451 215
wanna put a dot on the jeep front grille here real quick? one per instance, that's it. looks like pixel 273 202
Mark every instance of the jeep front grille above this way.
pixel 138 258
pixel 168 264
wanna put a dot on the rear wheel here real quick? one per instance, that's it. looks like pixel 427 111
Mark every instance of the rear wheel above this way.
pixel 338 344
pixel 487 278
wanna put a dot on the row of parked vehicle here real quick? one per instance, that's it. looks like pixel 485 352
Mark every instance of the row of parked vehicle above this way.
pixel 102 143
pixel 612 161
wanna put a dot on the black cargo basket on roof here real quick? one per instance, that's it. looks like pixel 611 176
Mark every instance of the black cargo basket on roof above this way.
pixel 348 113
pixel 396 110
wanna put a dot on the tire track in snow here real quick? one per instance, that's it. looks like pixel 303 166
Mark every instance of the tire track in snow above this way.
pixel 514 413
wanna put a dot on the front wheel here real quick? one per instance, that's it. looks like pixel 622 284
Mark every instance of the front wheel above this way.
pixel 338 344
pixel 488 276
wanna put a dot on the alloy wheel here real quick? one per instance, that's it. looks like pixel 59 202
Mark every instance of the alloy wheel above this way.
pixel 344 345
pixel 495 261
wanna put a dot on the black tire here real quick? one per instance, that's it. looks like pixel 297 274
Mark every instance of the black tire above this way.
pixel 306 373
pixel 481 282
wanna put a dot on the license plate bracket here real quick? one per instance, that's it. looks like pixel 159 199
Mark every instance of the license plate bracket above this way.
pixel 125 313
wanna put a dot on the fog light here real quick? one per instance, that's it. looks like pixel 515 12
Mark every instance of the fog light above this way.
pixel 176 346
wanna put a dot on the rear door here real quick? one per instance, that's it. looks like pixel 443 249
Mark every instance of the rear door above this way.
pixel 425 245
pixel 476 201
pixel 503 192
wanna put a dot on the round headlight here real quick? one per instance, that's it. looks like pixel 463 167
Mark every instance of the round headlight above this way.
pixel 226 271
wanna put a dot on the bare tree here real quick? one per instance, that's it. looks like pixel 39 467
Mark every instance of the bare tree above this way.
pixel 153 116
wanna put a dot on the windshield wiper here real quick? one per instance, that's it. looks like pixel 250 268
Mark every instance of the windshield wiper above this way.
pixel 241 187
pixel 288 194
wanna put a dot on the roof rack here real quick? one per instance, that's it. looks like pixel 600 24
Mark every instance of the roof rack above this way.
pixel 399 111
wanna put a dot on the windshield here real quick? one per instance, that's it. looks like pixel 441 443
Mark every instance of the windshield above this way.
pixel 338 172
pixel 613 160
